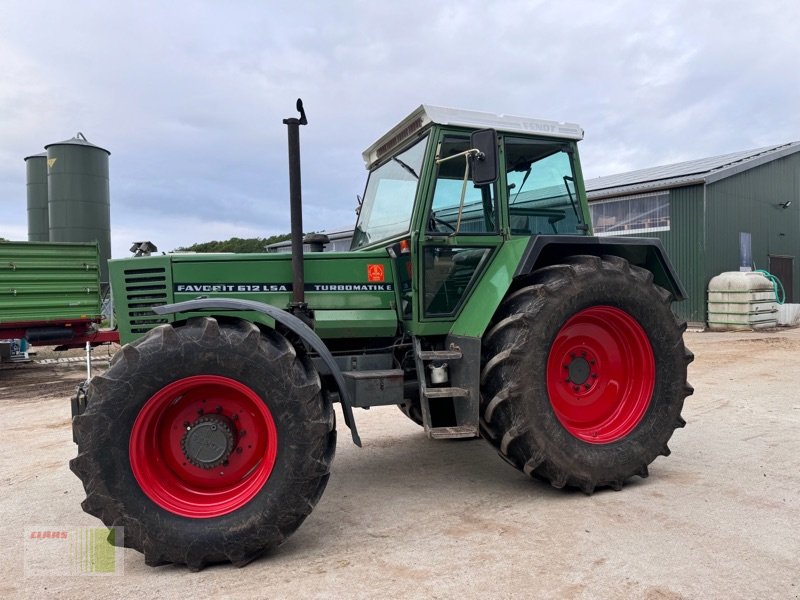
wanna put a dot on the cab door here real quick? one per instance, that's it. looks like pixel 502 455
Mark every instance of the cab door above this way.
pixel 459 235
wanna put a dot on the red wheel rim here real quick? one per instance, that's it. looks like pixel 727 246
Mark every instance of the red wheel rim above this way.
pixel 600 374
pixel 203 446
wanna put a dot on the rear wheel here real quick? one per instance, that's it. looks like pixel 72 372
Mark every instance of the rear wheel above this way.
pixel 208 443
pixel 585 374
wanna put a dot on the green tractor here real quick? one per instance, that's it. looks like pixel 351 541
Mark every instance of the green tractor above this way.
pixel 474 297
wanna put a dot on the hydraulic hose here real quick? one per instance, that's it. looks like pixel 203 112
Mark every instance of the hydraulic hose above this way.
pixel 780 293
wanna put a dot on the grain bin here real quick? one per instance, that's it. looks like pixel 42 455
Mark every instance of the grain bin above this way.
pixel 78 195
pixel 38 219
pixel 741 300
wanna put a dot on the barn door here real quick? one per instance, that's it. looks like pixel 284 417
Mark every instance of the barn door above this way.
pixel 781 267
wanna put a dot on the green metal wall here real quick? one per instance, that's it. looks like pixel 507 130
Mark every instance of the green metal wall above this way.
pixel 684 244
pixel 749 202
pixel 38 220
pixel 78 195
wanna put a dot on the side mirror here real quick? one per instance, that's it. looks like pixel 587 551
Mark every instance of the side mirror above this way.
pixel 484 165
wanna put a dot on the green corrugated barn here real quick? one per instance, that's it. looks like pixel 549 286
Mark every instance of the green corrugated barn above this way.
pixel 703 210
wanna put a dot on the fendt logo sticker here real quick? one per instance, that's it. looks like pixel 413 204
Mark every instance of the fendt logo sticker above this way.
pixel 268 288
pixel 375 273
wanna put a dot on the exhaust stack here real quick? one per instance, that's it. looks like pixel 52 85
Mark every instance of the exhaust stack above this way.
pixel 296 209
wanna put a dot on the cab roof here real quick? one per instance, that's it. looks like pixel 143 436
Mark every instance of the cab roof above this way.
pixel 428 114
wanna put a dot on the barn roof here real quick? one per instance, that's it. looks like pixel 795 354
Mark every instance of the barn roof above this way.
pixel 702 170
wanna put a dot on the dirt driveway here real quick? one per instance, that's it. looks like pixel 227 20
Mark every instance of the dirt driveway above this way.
pixel 409 517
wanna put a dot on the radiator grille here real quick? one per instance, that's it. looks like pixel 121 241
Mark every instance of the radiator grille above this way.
pixel 144 289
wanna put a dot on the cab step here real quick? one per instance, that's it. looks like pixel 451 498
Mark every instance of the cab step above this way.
pixel 445 392
pixel 459 431
pixel 453 354
pixel 448 410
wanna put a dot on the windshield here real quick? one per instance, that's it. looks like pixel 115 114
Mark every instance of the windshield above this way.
pixel 389 197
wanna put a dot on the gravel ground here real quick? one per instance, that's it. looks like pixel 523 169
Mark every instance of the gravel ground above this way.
pixel 409 517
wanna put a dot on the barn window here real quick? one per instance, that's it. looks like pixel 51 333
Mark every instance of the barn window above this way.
pixel 632 215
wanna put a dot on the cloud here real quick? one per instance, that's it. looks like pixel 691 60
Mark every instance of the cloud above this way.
pixel 189 96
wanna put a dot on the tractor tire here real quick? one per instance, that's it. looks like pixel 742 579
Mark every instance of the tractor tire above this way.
pixel 207 442
pixel 412 409
pixel 584 374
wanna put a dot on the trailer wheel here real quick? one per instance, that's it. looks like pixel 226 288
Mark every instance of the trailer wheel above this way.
pixel 208 442
pixel 585 374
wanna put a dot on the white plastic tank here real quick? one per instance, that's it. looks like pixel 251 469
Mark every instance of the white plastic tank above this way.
pixel 789 315
pixel 741 300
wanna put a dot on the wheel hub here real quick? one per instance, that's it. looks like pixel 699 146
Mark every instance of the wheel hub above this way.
pixel 209 441
pixel 579 370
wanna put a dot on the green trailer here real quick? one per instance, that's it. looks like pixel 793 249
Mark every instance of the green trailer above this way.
pixel 50 293
pixel 474 298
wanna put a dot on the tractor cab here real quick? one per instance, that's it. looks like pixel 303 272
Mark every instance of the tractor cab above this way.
pixel 446 195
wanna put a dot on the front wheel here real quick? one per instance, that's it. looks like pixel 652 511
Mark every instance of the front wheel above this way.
pixel 585 374
pixel 208 442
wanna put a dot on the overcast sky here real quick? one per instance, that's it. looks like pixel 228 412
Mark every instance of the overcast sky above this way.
pixel 189 96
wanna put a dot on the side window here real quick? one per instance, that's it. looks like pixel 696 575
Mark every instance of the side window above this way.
pixel 541 188
pixel 479 211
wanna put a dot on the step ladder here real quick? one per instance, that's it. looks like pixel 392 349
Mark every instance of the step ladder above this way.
pixel 461 397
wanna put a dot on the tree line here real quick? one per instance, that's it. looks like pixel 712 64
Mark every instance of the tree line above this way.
pixel 235 244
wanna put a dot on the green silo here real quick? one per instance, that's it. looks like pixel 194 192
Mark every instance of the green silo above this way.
pixel 78 195
pixel 38 219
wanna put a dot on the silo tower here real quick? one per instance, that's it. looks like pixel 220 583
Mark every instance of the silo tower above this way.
pixel 38 219
pixel 79 207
